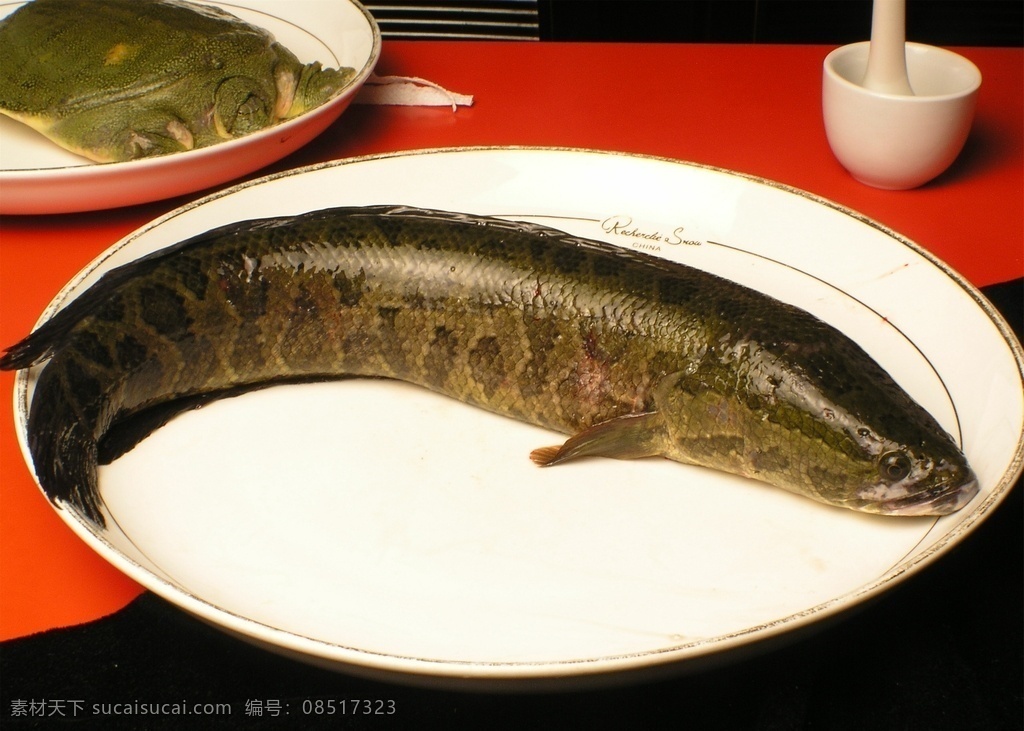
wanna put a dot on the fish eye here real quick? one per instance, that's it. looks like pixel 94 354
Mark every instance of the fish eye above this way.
pixel 894 466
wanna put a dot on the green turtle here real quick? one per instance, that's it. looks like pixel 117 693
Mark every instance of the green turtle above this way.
pixel 116 80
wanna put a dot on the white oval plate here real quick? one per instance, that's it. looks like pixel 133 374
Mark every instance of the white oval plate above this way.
pixel 377 527
pixel 37 176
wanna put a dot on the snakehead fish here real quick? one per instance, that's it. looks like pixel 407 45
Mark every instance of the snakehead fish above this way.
pixel 631 355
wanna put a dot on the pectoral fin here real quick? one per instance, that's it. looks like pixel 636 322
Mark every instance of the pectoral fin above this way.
pixel 625 437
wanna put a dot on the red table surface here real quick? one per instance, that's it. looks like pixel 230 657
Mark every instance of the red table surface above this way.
pixel 751 108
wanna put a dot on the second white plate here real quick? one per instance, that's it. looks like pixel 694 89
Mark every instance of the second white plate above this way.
pixel 37 176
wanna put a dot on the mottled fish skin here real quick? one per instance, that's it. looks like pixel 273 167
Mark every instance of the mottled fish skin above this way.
pixel 632 355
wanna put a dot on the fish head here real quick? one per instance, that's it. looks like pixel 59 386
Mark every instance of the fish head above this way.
pixel 857 438
pixel 929 476
pixel 842 435
pixel 874 449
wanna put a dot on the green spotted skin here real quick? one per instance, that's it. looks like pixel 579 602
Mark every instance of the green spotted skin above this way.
pixel 633 355
pixel 116 80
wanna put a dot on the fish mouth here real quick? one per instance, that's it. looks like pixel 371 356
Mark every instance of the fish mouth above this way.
pixel 941 499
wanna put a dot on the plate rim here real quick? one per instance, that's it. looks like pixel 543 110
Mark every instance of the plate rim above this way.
pixel 523 674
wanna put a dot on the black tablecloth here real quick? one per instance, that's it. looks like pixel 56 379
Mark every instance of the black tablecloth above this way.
pixel 941 651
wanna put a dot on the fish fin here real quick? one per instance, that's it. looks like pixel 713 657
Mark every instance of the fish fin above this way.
pixel 625 437
pixel 63 449
pixel 66 468
pixel 545 456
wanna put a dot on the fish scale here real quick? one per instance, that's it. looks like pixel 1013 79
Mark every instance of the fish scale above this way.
pixel 631 355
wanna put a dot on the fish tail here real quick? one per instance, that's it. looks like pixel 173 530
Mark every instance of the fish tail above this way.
pixel 37 346
pixel 63 446
pixel 50 337
pixel 66 406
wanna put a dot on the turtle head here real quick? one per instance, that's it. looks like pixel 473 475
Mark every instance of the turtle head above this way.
pixel 310 87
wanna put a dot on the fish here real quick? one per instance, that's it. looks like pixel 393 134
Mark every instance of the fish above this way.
pixel 629 354
pixel 113 81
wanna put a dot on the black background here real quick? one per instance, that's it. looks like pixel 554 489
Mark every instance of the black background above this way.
pixel 938 22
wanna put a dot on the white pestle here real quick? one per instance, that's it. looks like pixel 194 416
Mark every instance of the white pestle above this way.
pixel 887 57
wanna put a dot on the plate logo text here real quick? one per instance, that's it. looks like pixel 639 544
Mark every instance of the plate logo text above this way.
pixel 644 237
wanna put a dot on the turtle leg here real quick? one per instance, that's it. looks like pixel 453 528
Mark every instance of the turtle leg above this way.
pixel 114 137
